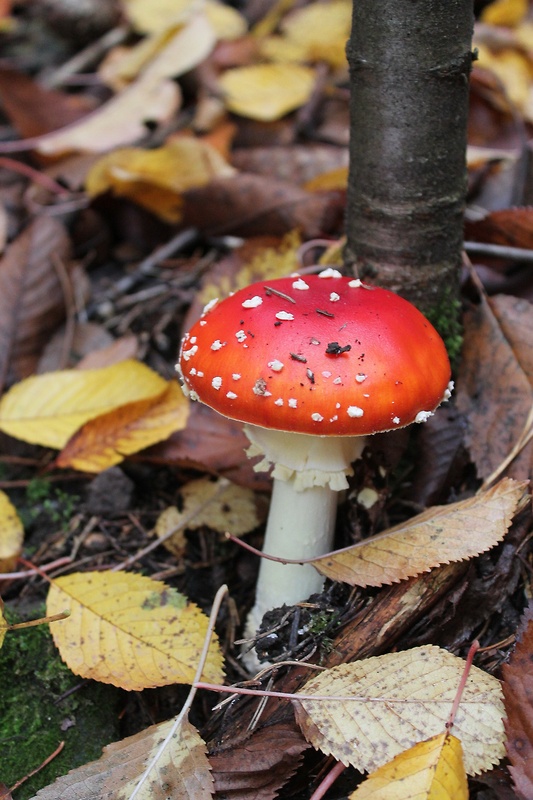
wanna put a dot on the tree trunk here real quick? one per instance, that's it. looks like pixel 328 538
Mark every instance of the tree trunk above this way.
pixel 409 67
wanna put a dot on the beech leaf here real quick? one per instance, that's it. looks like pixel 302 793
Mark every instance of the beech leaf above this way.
pixel 48 409
pixel 108 439
pixel 182 772
pixel 400 699
pixel 430 770
pixel 440 535
pixel 518 694
pixel 130 631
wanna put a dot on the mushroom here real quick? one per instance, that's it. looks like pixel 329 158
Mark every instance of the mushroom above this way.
pixel 312 365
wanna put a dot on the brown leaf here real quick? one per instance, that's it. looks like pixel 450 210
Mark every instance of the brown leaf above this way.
pixel 257 769
pixel 432 538
pixel 34 110
pixel 212 442
pixel 252 205
pixel 31 298
pixel 518 695
pixel 510 226
pixel 296 164
pixel 493 391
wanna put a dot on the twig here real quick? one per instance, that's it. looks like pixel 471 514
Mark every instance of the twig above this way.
pixel 499 251
pixel 190 697
pixel 89 55
pixel 328 781
pixel 45 763
pixel 462 683
pixel 13 576
pixel 524 439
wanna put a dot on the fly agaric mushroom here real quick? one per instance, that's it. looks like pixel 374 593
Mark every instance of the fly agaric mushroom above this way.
pixel 312 366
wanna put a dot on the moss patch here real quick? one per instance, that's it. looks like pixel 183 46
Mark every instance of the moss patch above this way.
pixel 37 713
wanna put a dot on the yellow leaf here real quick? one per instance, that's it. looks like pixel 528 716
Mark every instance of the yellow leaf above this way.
pixel 169 52
pixel 393 701
pixel 11 534
pixel 48 409
pixel 182 772
pixel 226 21
pixel 322 30
pixel 108 439
pixel 156 15
pixel 437 536
pixel 4 627
pixel 234 509
pixel 267 92
pixel 505 12
pixel 430 770
pixel 513 69
pixel 130 631
pixel 171 520
pixel 328 181
pixel 156 178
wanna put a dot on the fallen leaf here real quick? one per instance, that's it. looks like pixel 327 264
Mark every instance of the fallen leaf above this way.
pixel 210 442
pixel 317 32
pixel 122 120
pixel 31 297
pixel 298 164
pixel 48 409
pixel 435 537
pixel 109 438
pixel 130 631
pixel 518 698
pixel 182 772
pixel 156 179
pixel 171 520
pixel 233 510
pixel 266 91
pixel 430 770
pixel 259 766
pixel 509 226
pixel 4 627
pixel 494 393
pixel 157 15
pixel 249 205
pixel 11 534
pixel 400 699
pixel 505 12
pixel 34 110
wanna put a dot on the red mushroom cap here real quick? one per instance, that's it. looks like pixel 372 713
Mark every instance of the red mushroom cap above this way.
pixel 320 354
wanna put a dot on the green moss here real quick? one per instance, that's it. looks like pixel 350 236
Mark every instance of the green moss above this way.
pixel 37 711
pixel 446 317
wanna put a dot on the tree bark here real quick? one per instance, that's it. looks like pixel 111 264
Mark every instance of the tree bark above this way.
pixel 409 67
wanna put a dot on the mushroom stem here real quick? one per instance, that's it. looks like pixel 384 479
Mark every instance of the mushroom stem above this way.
pixel 300 524
pixel 308 471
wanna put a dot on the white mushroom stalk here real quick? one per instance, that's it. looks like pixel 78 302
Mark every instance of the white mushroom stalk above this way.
pixel 312 366
pixel 308 474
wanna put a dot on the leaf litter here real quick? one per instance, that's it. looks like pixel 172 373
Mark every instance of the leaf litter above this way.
pixel 86 264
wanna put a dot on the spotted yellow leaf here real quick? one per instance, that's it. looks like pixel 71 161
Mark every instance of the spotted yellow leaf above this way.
pixel 430 770
pixel 383 705
pixel 48 409
pixel 437 536
pixel 182 772
pixel 267 92
pixel 130 630
pixel 11 534
pixel 108 439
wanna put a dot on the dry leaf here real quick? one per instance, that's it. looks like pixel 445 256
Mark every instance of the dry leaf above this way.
pixel 48 409
pixel 170 520
pixel 518 695
pixel 156 179
pixel 156 15
pixel 31 298
pixel 4 627
pixel 400 699
pixel 182 772
pixel 267 91
pixel 11 534
pixel 130 630
pixel 317 32
pixel 430 770
pixel 505 12
pixel 120 121
pixel 437 536
pixel 494 393
pixel 234 510
pixel 108 439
